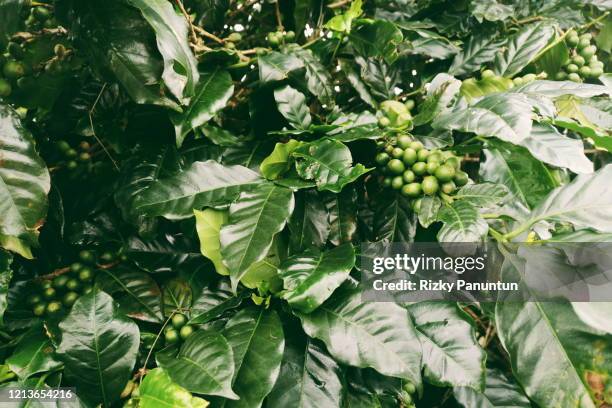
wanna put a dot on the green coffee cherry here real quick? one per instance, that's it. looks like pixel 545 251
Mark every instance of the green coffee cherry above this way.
pixel 290 36
pixel 432 167
pixel 397 153
pixel 5 88
pixel 87 256
pixel 54 308
pixel 585 72
pixel 419 168
pixel 396 166
pixel 75 267
pixel 448 187
pixel 408 176
pixel 15 50
pixel 60 282
pixel 107 257
pixel 409 157
pixel 422 155
pixel 410 104
pixel 404 141
pixel 461 178
pixel 397 182
pixel 387 182
pixel 382 158
pixel 445 173
pixel 186 331
pixel 178 320
pixel 39 309
pixel 487 73
pixel 416 205
pixel 561 76
pixel 578 60
pixel 171 335
pixel 416 146
pixel 572 40
pixel 234 37
pixel 13 70
pixel 574 77
pixel 571 68
pixel 85 275
pixel 49 293
pixel 588 52
pixel 34 299
pixel 583 43
pixel 430 185
pixel 72 165
pixel 411 190
pixel 70 298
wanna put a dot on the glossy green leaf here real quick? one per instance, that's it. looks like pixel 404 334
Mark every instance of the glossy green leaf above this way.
pixel 34 354
pixel 212 93
pixel 24 181
pixel 158 391
pixel 311 277
pixel 257 339
pixel 254 219
pixel 10 12
pixel 176 296
pixel 208 227
pixel 548 145
pixel 595 314
pixel 428 213
pixel 309 224
pixel 203 365
pixel 98 348
pixel 162 254
pixel 120 40
pixel 451 353
pixel 180 66
pixel 564 348
pixel 353 77
pixel 309 376
pixel 527 178
pixel 490 10
pixel 483 194
pixel 479 50
pixel 585 202
pixel 136 292
pixel 499 391
pixel 343 22
pixel 554 89
pixel 362 334
pixel 279 161
pixel 522 48
pixel 342 210
pixel 276 66
pixel 328 163
pixel 318 79
pixel 378 39
pixel 213 301
pixel 203 184
pixel 462 223
pixel 292 105
pixel 394 220
pixel 442 89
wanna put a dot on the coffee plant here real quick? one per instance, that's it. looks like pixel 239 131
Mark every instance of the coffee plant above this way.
pixel 186 185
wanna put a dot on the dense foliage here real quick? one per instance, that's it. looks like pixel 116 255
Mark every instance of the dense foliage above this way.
pixel 185 185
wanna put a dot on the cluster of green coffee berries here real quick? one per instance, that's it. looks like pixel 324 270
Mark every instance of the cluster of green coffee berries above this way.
pixel 279 37
pixel 41 16
pixel 406 395
pixel 583 63
pixel 525 79
pixel 408 167
pixel 395 115
pixel 232 39
pixel 178 330
pixel 74 158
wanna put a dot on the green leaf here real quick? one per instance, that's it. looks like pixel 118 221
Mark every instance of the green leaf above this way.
pixel 483 194
pixel 180 66
pixel 394 220
pixel 499 391
pixel 208 227
pixel 136 292
pixel 98 348
pixel 442 90
pixel 565 351
pixel 292 105
pixel 548 145
pixel 327 162
pixel 585 202
pixel 552 60
pixel 309 223
pixel 254 219
pixel 462 223
pixel 451 353
pixel 219 136
pixel 522 48
pixel 257 339
pixel 120 40
pixel 554 89
pixel 311 277
pixel 595 314
pixel 176 296
pixel 211 95
pixel 162 254
pixel 203 184
pixel 158 391
pixel 318 79
pixel 490 10
pixel 24 182
pixel 377 39
pixel 527 178
pixel 213 301
pixel 279 161
pixel 604 38
pixel 203 365
pixel 477 51
pixel 309 376
pixel 428 213
pixel 506 116
pixel 6 275
pixel 275 66
pixel 34 354
pixel 343 22
pixel 354 78
pixel 361 334
pixel 342 210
